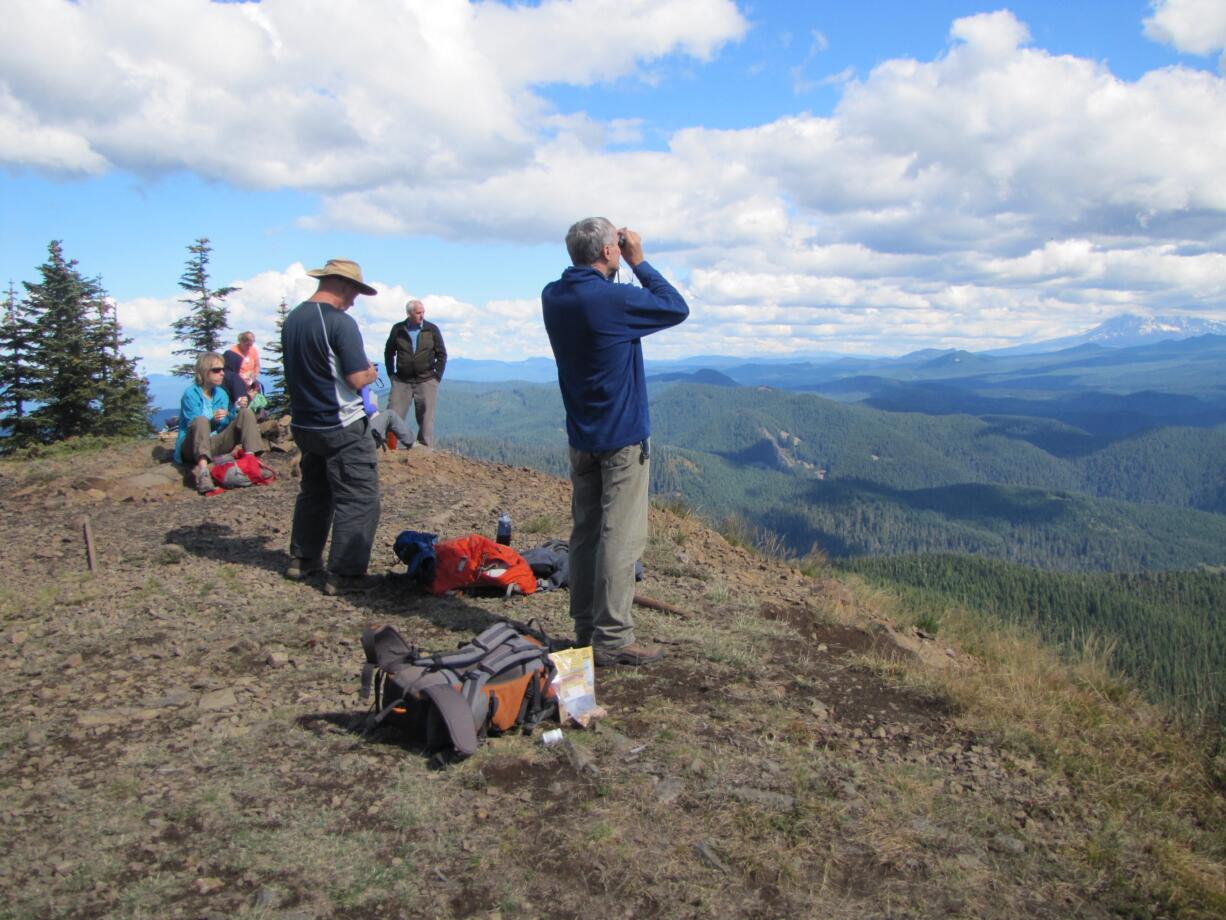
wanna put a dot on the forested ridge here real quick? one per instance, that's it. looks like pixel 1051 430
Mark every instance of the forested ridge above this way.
pixel 1166 629
pixel 858 481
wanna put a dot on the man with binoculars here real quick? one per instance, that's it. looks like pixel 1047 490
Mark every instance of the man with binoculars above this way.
pixel 595 328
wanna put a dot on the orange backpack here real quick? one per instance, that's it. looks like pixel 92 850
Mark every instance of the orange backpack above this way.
pixel 478 562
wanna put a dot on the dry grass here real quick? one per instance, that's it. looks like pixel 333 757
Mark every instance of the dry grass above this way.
pixel 1147 790
pixel 774 765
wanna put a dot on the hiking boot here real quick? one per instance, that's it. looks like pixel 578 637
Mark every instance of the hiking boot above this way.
pixel 303 568
pixel 634 654
pixel 204 480
pixel 350 584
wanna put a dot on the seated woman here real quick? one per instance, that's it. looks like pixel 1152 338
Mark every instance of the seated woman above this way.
pixel 237 386
pixel 209 425
pixel 232 378
pixel 380 422
pixel 248 356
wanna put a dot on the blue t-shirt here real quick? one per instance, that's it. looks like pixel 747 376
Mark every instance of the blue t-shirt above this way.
pixel 320 346
pixel 595 329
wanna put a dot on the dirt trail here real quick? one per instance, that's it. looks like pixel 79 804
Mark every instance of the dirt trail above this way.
pixel 178 730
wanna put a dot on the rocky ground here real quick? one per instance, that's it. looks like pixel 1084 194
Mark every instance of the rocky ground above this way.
pixel 181 730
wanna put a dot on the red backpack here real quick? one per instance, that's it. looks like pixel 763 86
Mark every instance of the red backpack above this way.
pixel 239 470
pixel 478 562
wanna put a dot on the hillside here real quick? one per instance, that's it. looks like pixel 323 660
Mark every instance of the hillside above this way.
pixel 1163 628
pixel 856 480
pixel 180 734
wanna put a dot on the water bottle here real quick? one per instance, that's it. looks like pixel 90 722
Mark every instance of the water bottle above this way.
pixel 504 529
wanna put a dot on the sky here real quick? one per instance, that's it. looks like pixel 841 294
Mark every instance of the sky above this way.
pixel 863 178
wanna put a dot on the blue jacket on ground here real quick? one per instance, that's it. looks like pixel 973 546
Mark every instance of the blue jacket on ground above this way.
pixel 595 329
pixel 195 404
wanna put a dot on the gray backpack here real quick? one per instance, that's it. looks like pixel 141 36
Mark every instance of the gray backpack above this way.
pixel 499 681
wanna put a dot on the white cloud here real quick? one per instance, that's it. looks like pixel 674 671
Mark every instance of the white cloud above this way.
pixel 995 192
pixel 498 329
pixel 320 95
pixel 1192 26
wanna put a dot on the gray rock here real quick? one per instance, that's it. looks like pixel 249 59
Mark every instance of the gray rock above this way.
pixel 277 659
pixel 580 758
pixel 171 554
pixel 267 898
pixel 97 718
pixel 969 861
pixel 1003 843
pixel 776 800
pixel 669 790
pixel 218 699
pixel 174 699
pixel 709 857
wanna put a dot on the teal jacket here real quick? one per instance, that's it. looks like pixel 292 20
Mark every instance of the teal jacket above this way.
pixel 195 404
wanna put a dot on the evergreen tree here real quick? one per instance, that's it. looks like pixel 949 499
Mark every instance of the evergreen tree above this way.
pixel 278 401
pixel 17 372
pixel 124 393
pixel 201 329
pixel 83 382
pixel 65 355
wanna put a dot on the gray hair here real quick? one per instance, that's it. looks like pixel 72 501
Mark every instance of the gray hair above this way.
pixel 586 240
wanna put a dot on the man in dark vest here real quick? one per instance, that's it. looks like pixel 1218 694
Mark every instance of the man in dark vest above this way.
pixel 415 357
pixel 325 368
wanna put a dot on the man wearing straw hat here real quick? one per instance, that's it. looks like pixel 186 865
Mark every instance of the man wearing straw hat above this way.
pixel 325 368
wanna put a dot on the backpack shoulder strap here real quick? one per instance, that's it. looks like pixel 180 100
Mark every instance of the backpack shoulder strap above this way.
pixel 458 715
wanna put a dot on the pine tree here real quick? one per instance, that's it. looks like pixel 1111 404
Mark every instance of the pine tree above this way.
pixel 81 378
pixel 17 373
pixel 65 354
pixel 124 393
pixel 278 400
pixel 201 329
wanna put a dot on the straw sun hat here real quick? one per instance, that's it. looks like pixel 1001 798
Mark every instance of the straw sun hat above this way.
pixel 344 268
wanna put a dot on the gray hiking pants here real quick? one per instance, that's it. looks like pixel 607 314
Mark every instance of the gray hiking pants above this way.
pixel 339 492
pixel 201 442
pixel 424 394
pixel 608 535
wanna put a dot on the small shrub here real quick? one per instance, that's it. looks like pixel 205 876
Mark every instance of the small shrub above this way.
pixel 542 523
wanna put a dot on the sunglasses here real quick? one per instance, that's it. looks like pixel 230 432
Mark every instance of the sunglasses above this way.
pixel 217 370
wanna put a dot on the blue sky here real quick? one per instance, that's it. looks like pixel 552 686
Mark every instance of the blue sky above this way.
pixel 867 178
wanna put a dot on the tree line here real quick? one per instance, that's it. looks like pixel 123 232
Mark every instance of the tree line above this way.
pixel 64 371
pixel 1163 628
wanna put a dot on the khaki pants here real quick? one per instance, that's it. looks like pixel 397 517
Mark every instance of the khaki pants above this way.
pixel 201 442
pixel 608 535
pixel 424 394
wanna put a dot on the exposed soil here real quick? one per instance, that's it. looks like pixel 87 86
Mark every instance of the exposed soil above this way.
pixel 182 734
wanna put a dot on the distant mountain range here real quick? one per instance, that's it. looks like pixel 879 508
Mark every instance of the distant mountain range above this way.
pixel 857 480
pixel 1089 457
pixel 810 371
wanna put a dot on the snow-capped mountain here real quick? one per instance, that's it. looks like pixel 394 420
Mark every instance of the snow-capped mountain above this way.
pixel 1125 331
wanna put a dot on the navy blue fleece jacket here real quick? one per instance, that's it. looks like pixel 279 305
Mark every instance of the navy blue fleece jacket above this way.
pixel 595 328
